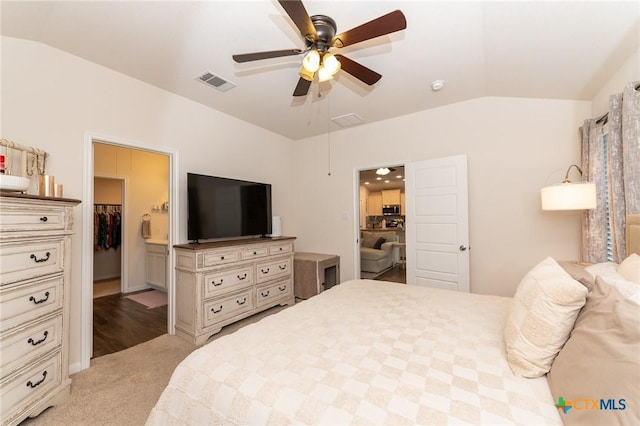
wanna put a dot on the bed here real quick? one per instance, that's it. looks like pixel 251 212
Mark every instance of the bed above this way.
pixel 364 352
pixel 375 352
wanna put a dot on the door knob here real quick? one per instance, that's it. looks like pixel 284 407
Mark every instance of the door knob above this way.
pixel 462 247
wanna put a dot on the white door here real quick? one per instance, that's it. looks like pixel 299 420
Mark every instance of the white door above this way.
pixel 437 231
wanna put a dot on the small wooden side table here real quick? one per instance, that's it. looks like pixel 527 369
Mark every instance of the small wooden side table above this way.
pixel 314 272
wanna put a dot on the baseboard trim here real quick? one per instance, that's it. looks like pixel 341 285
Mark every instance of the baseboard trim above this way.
pixel 75 367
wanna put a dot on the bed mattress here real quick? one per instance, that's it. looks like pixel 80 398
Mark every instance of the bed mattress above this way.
pixel 363 352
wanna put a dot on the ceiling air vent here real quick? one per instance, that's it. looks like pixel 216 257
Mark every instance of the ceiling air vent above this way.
pixel 348 120
pixel 215 81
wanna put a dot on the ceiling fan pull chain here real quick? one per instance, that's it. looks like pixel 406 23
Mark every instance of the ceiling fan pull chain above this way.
pixel 328 134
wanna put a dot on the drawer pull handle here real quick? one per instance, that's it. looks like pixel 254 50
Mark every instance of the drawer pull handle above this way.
pixel 218 284
pixel 221 257
pixel 44 259
pixel 33 385
pixel 243 301
pixel 44 218
pixel 254 253
pixel 282 267
pixel 244 277
pixel 282 288
pixel 263 271
pixel 280 248
pixel 263 294
pixel 37 302
pixel 37 342
pixel 214 310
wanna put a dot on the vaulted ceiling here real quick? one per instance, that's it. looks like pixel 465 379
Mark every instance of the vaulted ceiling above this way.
pixel 556 50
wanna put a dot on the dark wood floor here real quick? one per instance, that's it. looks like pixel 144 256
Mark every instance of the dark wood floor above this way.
pixel 397 274
pixel 120 323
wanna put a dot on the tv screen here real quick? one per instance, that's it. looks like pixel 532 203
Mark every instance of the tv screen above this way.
pixel 226 208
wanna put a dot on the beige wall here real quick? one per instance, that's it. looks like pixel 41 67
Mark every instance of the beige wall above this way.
pixel 629 71
pixel 107 191
pixel 76 97
pixel 514 148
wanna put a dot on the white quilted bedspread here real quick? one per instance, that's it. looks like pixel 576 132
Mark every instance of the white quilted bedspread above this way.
pixel 365 352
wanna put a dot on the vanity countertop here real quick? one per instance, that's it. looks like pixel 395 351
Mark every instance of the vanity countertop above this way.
pixel 159 242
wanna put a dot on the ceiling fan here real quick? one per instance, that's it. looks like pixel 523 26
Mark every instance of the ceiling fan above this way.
pixel 319 33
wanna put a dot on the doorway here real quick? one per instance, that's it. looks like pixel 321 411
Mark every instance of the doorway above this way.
pixel 135 167
pixel 134 308
pixel 381 223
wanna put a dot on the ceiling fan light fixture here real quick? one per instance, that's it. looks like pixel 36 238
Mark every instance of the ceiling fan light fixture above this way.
pixel 324 74
pixel 330 63
pixel 306 74
pixel 311 61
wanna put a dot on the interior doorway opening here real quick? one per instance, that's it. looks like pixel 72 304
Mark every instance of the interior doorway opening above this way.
pixel 148 179
pixel 130 192
pixel 382 223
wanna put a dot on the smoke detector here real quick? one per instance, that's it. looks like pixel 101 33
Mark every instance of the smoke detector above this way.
pixel 437 85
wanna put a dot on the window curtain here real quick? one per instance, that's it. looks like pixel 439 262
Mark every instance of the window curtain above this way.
pixel 611 159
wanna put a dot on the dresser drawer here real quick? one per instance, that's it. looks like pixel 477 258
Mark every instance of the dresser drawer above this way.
pixel 271 292
pixel 29 301
pixel 30 343
pixel 254 253
pixel 19 392
pixel 30 260
pixel 282 248
pixel 227 307
pixel 220 257
pixel 37 219
pixel 226 280
pixel 273 269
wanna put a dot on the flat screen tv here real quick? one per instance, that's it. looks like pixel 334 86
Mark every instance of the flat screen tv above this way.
pixel 220 208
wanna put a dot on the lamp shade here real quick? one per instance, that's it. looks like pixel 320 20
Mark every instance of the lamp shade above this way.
pixel 569 196
pixel 330 63
pixel 311 61
pixel 324 74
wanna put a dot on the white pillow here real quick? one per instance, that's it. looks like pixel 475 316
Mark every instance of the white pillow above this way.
pixel 628 289
pixel 607 270
pixel 630 268
pixel 543 311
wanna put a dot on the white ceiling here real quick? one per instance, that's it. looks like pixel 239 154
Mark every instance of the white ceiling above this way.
pixel 555 49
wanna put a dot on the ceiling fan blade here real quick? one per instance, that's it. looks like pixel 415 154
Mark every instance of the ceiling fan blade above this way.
pixel 386 24
pixel 357 70
pixel 302 88
pixel 298 14
pixel 256 56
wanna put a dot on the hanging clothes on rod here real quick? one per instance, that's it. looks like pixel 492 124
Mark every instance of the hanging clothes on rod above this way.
pixel 107 226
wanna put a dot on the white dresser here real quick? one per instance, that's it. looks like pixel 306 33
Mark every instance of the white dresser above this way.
pixel 223 282
pixel 35 252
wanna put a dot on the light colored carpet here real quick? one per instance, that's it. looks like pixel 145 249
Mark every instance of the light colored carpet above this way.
pixel 120 389
pixel 151 299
